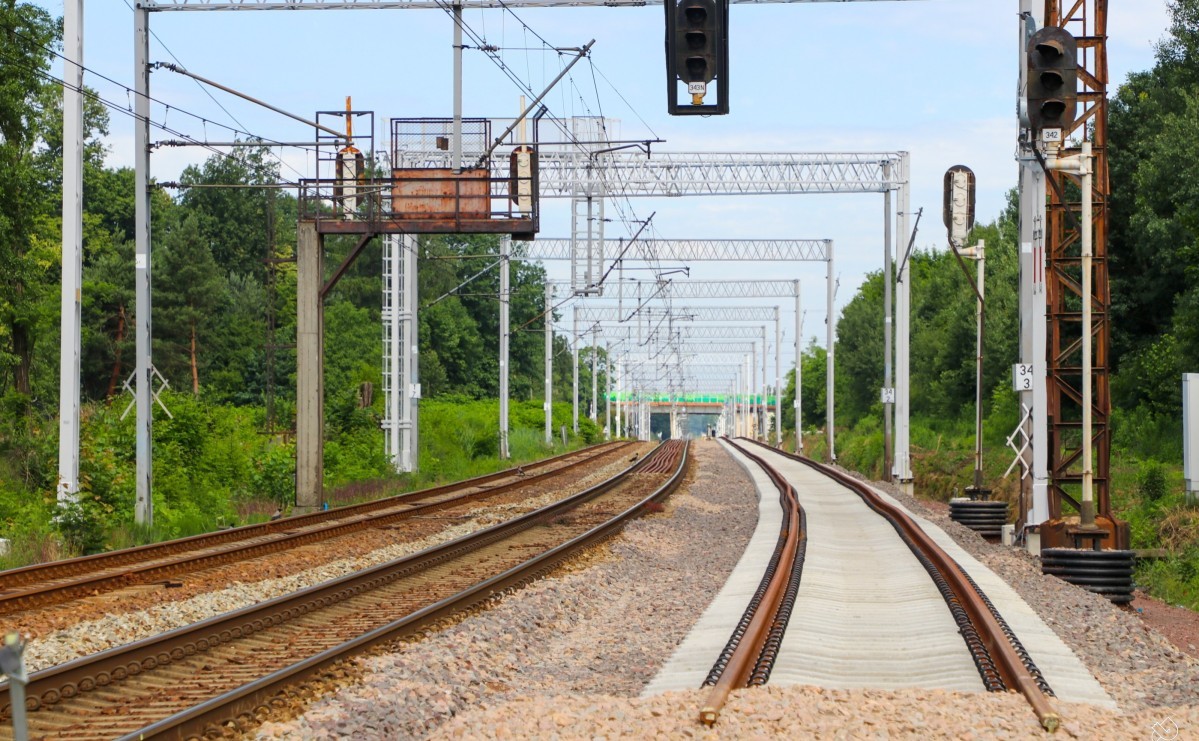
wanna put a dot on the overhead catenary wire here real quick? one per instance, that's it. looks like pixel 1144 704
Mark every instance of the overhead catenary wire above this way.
pixel 119 108
pixel 127 109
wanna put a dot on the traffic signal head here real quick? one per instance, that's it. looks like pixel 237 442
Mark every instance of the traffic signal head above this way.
pixel 697 52
pixel 1052 78
pixel 695 43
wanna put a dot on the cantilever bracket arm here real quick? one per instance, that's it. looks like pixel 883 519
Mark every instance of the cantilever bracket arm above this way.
pixel 346 263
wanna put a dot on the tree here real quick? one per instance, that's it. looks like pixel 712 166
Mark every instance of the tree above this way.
pixel 26 35
pixel 187 292
pixel 233 220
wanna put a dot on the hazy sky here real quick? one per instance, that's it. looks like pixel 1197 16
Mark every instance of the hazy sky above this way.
pixel 936 78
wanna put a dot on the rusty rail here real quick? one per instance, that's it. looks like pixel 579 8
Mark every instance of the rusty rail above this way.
pixel 749 656
pixel 1013 669
pixel 58 581
pixel 170 652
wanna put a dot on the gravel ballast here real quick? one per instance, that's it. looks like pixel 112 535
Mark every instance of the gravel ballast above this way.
pixel 1139 667
pixel 63 633
pixel 604 629
pixel 567 656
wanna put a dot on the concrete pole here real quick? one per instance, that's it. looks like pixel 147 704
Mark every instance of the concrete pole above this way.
pixel 608 392
pixel 888 352
pixel 72 252
pixel 144 502
pixel 736 393
pixel 310 382
pixel 798 371
pixel 778 380
pixel 411 313
pixel 619 399
pixel 594 379
pixel 549 363
pixel 980 256
pixel 764 405
pixel 505 330
pixel 1033 341
pixel 574 403
pixel 752 379
pixel 903 289
pixel 1087 513
pixel 456 133
pixel 742 393
pixel 830 347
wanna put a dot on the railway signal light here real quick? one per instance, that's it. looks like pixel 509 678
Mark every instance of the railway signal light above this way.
pixel 958 210
pixel 697 53
pixel 1052 78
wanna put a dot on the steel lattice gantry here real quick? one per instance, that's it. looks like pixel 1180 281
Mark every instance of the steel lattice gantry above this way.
pixel 565 174
pixel 667 359
pixel 586 313
pixel 210 5
pixel 695 250
pixel 703 173
pixel 625 333
pixel 715 250
pixel 669 174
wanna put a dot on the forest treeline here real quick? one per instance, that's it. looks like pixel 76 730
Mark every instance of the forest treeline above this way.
pixel 1153 251
pixel 223 293
pixel 1153 259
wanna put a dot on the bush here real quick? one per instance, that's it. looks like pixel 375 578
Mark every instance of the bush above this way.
pixel 1151 481
pixel 81 527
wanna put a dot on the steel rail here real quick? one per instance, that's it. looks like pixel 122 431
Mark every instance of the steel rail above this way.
pixel 749 655
pixel 144 565
pixel 1010 660
pixel 107 670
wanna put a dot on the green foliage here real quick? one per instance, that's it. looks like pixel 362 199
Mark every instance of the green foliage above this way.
pixel 1147 434
pixel 82 527
pixel 1151 481
pixel 1173 580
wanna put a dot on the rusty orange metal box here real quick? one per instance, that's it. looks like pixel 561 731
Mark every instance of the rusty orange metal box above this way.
pixel 432 193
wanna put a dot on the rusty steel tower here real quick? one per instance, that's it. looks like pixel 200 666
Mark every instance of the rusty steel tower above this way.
pixel 1086 20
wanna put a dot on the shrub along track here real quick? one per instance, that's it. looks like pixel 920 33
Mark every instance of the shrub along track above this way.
pixel 1002 662
pixel 60 581
pixel 227 669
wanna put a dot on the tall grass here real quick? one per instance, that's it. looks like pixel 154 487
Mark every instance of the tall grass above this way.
pixel 213 468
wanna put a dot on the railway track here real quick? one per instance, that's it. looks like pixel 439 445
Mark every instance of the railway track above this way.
pixel 1002 663
pixel 56 582
pixel 221 672
pixel 748 657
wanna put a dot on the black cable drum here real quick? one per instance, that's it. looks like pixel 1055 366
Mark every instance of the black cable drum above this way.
pixel 1108 573
pixel 984 517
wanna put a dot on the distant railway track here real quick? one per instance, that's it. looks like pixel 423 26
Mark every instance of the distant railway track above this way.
pixel 1003 664
pixel 224 671
pixel 56 582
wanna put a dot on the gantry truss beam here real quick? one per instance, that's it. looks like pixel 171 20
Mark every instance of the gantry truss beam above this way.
pixel 680 357
pixel 693 348
pixel 695 289
pixel 559 174
pixel 694 250
pixel 176 5
pixel 585 313
pixel 625 333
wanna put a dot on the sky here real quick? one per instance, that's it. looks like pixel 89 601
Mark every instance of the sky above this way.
pixel 936 78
